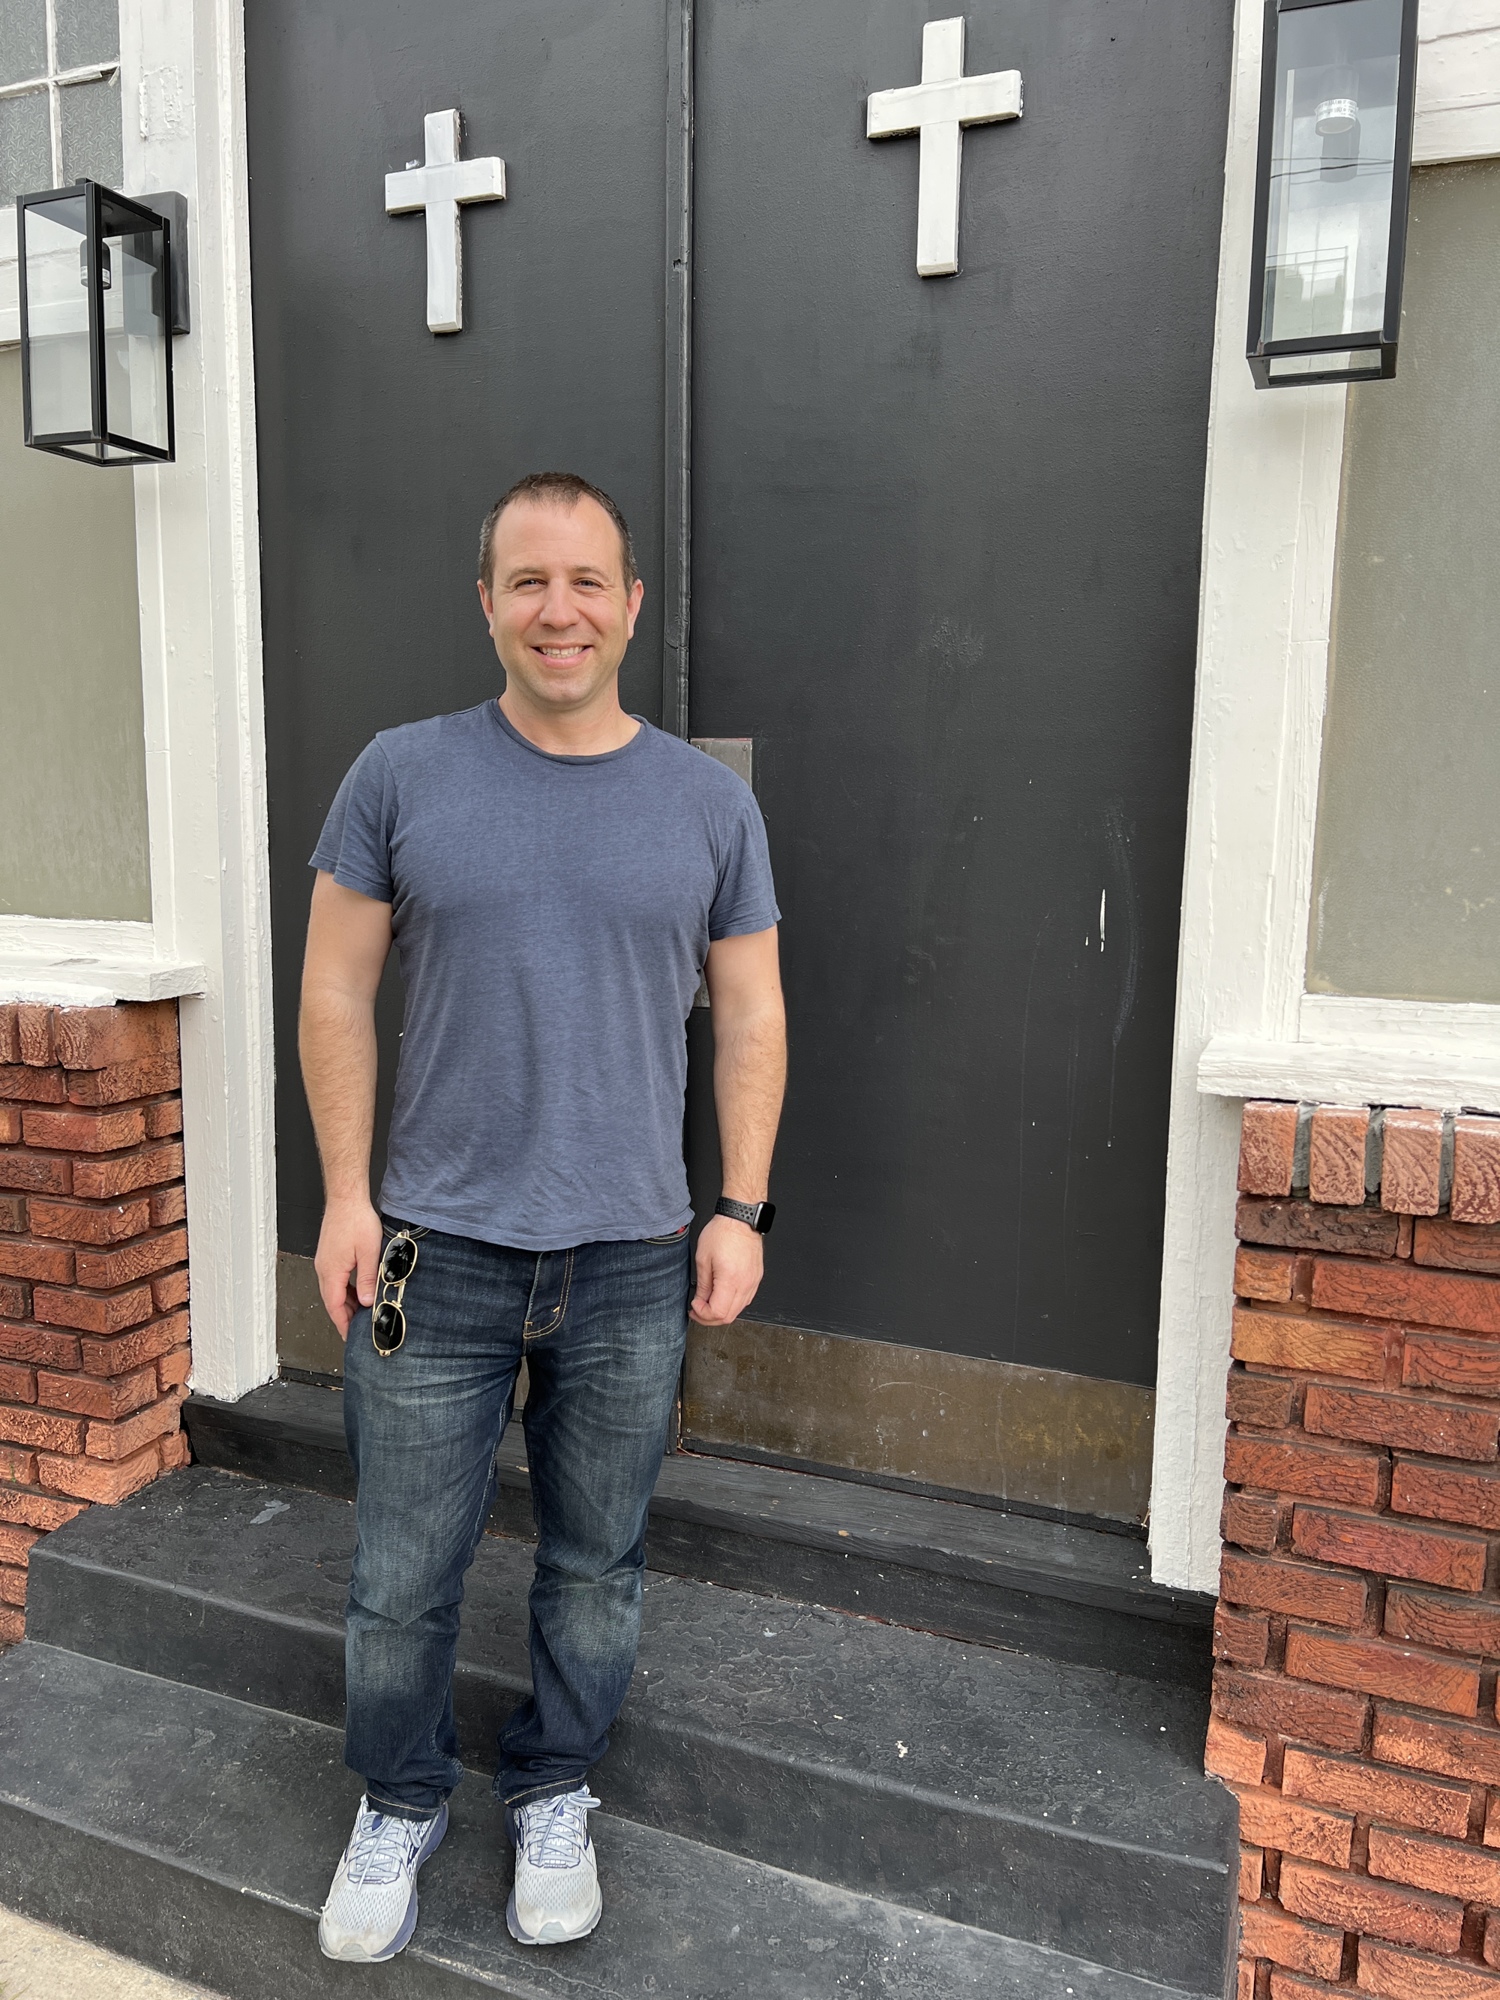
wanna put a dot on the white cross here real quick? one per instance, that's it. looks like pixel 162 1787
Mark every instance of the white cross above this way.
pixel 439 186
pixel 939 107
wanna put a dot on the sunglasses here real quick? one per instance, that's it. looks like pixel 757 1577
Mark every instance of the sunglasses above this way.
pixel 388 1320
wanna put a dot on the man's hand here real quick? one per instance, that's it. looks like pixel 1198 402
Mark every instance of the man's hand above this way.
pixel 731 1261
pixel 347 1260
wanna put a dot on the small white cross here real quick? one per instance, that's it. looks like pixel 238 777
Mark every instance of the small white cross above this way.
pixel 939 107
pixel 439 186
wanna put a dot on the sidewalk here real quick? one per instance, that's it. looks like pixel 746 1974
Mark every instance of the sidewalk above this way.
pixel 39 1963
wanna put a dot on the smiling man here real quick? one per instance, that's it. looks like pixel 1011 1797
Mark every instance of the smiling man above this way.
pixel 555 876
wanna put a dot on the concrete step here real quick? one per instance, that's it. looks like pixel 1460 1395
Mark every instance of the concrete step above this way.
pixel 972 1573
pixel 197 1833
pixel 1055 1804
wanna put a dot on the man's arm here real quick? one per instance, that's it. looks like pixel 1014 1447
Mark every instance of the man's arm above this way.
pixel 749 1021
pixel 348 942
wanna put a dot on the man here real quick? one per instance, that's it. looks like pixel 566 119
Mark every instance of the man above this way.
pixel 554 874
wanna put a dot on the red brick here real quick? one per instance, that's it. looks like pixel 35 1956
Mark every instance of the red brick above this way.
pixel 1252 1873
pixel 34 1042
pixel 10 1125
pixel 173 1369
pixel 1270 1820
pixel 90 1222
pixel 1266 1932
pixel 1442 1361
pixel 1459 1624
pixel 175 1451
pixel 1476 1170
pixel 17 1382
pixel 51 1263
pixel 16 1543
pixel 118 1440
pixel 1241 1636
pixel 120 1082
pixel 170 1290
pixel 1403 1975
pixel 1457 1246
pixel 168 1205
pixel 133 1350
pixel 1336 1155
pixel 1450 1867
pixel 1424 1555
pixel 109 1397
pixel 93 1312
pixel 1244 1979
pixel 1403 1291
pixel 15 1299
pixel 1285 1708
pixel 1443 1493
pixel 94 1037
pixel 1445 1749
pixel 35 1343
pixel 1331 1596
pixel 12 1627
pixel 1318 1346
pixel 1263 1274
pixel 1420 1423
pixel 1231 1754
pixel 40 1429
pixel 1268 1140
pixel 1492 1822
pixel 1265 1402
pixel 35 1173
pixel 1355 1903
pixel 130 1261
pixel 163 1118
pixel 1411 1167
pixel 1369 1789
pixel 1249 1522
pixel 17 1468
pixel 76 1131
pixel 12 1586
pixel 102 1180
pixel 37 1510
pixel 12 1206
pixel 95 1479
pixel 1491 1940
pixel 1375 1666
pixel 22 1084
pixel 10 1041
pixel 1307 1471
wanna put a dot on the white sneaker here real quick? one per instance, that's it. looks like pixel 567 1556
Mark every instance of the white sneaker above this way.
pixel 556 1896
pixel 371 1910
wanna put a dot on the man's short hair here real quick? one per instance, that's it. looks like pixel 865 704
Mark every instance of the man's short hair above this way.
pixel 553 489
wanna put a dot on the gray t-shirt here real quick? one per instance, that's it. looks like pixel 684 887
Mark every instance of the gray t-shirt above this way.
pixel 552 915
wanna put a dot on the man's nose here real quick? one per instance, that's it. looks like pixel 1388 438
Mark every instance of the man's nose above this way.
pixel 557 606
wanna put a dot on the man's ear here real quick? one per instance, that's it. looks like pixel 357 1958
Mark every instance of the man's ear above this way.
pixel 488 603
pixel 633 606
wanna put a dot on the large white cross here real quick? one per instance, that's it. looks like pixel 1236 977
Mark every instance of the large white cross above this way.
pixel 939 107
pixel 439 185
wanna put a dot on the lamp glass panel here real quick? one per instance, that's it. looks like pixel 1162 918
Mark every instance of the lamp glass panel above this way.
pixel 57 316
pixel 135 331
pixel 25 144
pixel 23 40
pixel 1332 168
pixel 1338 361
pixel 92 134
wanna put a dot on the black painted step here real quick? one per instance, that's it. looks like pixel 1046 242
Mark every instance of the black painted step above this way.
pixel 198 1833
pixel 1057 1804
pixel 972 1573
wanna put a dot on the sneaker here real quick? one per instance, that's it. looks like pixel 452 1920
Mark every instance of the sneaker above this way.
pixel 556 1896
pixel 371 1910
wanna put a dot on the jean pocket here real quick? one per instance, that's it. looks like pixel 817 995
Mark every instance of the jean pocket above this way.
pixel 673 1236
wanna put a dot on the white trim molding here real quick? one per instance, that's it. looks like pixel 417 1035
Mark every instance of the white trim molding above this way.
pixel 67 962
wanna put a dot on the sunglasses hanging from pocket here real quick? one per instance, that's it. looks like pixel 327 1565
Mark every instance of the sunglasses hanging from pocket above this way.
pixel 388 1318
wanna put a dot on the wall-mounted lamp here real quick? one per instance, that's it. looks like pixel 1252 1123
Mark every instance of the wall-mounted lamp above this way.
pixel 103 287
pixel 1338 78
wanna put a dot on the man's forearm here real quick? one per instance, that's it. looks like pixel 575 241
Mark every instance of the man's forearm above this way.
pixel 337 1040
pixel 749 1078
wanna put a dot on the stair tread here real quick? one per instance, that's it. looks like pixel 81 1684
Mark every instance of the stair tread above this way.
pixel 258 1802
pixel 1074 1748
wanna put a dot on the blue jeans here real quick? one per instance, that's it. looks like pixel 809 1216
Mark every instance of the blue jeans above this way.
pixel 601 1328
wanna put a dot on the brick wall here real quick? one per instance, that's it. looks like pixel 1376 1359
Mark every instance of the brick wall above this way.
pixel 1358 1631
pixel 93 1268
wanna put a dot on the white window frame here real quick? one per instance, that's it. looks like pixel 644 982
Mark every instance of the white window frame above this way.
pixel 197 541
pixel 1245 1025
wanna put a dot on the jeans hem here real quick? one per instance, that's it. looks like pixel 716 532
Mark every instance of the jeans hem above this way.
pixel 530 1794
pixel 394 1811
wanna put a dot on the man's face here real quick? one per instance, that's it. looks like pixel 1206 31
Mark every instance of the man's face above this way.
pixel 557 606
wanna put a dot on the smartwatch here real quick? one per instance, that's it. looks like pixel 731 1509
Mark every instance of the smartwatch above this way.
pixel 758 1214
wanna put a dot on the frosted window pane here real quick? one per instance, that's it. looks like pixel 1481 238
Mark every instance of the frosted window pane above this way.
pixel 25 148
pixel 91 133
pixel 23 40
pixel 88 31
pixel 1406 876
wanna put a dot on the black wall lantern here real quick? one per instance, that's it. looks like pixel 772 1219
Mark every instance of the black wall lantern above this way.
pixel 1338 80
pixel 103 289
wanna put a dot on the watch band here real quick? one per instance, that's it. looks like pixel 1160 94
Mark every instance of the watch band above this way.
pixel 758 1215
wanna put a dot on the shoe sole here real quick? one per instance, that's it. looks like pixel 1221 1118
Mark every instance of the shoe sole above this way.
pixel 408 1922
pixel 554 1931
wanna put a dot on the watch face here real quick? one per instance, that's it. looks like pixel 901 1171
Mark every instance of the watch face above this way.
pixel 765 1215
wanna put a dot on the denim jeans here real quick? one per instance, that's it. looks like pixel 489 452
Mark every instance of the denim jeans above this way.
pixel 601 1328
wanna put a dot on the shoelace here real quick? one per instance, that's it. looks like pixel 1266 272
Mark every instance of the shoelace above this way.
pixel 557 1830
pixel 380 1847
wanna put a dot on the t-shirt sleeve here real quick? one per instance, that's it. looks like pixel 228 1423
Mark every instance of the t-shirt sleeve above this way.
pixel 745 898
pixel 355 845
